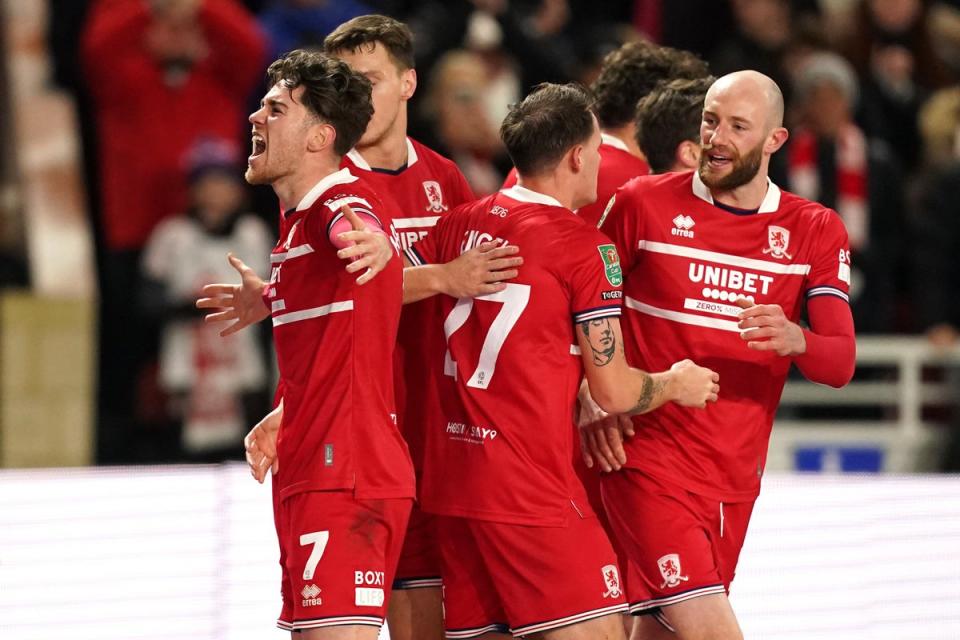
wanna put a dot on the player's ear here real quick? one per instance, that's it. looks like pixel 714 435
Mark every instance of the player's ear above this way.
pixel 320 136
pixel 775 139
pixel 687 155
pixel 408 83
pixel 576 158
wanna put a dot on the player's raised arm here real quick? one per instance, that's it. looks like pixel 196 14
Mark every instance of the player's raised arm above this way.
pixel 619 388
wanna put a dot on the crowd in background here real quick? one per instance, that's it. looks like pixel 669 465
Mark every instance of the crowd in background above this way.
pixel 163 88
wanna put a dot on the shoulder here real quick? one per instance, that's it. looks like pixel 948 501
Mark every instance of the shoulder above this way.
pixel 445 167
pixel 659 185
pixel 813 214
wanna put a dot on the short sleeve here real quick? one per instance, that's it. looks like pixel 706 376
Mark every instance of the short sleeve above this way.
pixel 620 223
pixel 425 250
pixel 463 193
pixel 830 263
pixel 595 276
pixel 329 213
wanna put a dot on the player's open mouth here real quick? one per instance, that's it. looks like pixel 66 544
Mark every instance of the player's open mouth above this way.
pixel 259 145
pixel 717 160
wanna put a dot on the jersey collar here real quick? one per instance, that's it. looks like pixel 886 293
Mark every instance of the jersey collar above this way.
pixel 343 176
pixel 771 201
pixel 522 194
pixel 360 163
pixel 613 141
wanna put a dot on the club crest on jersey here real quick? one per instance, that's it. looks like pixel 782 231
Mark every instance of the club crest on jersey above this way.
pixel 611 578
pixel 434 196
pixel 670 570
pixel 778 240
pixel 611 264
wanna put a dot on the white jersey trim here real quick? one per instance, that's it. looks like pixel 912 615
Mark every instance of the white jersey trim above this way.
pixel 561 622
pixel 292 252
pixel 522 194
pixel 360 163
pixel 473 632
pixel 343 176
pixel 407 223
pixel 638 607
pixel 613 141
pixel 315 312
pixel 771 201
pixel 679 316
pixel 826 290
pixel 723 258
pixel 336 621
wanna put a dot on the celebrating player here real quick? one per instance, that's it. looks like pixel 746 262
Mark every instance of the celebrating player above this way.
pixel 718 264
pixel 421 186
pixel 520 546
pixel 344 482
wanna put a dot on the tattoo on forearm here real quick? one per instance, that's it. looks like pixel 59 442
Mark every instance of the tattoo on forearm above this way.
pixel 603 342
pixel 651 389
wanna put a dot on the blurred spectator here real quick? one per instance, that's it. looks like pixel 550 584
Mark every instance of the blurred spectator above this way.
pixel 217 386
pixel 939 122
pixel 832 162
pixel 760 41
pixel 891 49
pixel 668 121
pixel 462 127
pixel 161 73
pixel 298 24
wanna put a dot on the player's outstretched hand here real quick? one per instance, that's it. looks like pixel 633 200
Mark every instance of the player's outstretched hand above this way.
pixel 693 385
pixel 765 327
pixel 242 303
pixel 482 270
pixel 601 442
pixel 261 445
pixel 371 249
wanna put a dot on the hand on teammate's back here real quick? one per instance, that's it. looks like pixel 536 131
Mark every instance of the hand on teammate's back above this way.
pixel 693 385
pixel 242 303
pixel 371 249
pixel 482 270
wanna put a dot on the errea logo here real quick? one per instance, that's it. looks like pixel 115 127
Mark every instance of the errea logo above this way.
pixel 682 226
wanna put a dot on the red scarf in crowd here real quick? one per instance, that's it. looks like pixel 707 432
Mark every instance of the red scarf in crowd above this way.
pixel 851 177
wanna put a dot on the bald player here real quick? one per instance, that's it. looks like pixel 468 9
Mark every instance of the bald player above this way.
pixel 667 124
pixel 718 265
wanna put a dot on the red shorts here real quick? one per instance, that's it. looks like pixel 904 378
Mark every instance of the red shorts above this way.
pixel 679 545
pixel 338 555
pixel 525 579
pixel 590 478
pixel 419 565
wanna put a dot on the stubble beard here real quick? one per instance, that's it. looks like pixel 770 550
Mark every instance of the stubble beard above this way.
pixel 745 168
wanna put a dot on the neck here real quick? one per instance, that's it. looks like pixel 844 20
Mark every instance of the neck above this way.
pixel 548 185
pixel 290 190
pixel 746 196
pixel 390 151
pixel 628 134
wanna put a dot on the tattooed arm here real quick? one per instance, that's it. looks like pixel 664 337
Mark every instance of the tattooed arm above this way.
pixel 619 388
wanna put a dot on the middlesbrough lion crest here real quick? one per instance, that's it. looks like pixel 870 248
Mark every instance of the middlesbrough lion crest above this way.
pixel 434 196
pixel 778 240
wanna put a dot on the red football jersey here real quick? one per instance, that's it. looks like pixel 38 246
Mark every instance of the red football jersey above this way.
pixel 416 195
pixel 617 166
pixel 502 448
pixel 332 337
pixel 685 261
